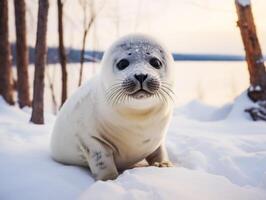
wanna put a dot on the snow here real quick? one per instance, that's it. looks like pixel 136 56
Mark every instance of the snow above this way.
pixel 172 183
pixel 219 153
pixel 244 2
pixel 27 170
pixel 261 60
pixel 258 88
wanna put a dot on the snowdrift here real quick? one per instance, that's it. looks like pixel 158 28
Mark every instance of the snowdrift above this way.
pixel 219 153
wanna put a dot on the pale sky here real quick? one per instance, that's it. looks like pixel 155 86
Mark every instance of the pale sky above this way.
pixel 185 26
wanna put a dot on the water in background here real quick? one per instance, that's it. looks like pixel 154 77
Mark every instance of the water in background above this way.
pixel 214 83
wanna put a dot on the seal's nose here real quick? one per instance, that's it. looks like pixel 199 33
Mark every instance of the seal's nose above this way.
pixel 141 77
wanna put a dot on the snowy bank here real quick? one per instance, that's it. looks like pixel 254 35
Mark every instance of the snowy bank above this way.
pixel 173 183
pixel 219 153
pixel 244 2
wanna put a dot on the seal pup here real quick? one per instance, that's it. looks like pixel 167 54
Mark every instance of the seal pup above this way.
pixel 120 116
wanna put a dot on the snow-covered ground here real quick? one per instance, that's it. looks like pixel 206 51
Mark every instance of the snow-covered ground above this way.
pixel 219 153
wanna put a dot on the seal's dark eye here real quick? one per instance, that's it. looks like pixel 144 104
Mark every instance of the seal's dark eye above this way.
pixel 122 64
pixel 156 63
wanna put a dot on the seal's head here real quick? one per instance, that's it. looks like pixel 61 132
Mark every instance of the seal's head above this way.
pixel 137 70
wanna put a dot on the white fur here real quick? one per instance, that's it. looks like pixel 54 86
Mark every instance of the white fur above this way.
pixel 124 134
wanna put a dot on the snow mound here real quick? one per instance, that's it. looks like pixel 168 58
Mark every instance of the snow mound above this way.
pixel 201 112
pixel 172 183
pixel 221 155
pixel 244 2
pixel 233 146
pixel 241 103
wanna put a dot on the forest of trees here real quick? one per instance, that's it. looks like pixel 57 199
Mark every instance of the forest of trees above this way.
pixel 8 85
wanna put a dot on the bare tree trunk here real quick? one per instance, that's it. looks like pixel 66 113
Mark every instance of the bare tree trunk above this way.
pixel 62 53
pixel 5 55
pixel 51 85
pixel 254 57
pixel 82 54
pixel 22 54
pixel 40 61
pixel 87 26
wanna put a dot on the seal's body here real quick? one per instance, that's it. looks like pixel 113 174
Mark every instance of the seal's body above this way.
pixel 120 117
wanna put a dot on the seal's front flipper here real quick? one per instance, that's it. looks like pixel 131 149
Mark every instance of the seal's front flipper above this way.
pixel 100 160
pixel 159 158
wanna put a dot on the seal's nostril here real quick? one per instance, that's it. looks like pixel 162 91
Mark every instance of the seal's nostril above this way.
pixel 141 77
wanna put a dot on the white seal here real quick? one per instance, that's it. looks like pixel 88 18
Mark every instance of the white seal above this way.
pixel 121 116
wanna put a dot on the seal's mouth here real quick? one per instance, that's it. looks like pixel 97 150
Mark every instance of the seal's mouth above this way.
pixel 141 93
pixel 122 93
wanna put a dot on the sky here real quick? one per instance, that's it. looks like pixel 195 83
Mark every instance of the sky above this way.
pixel 184 26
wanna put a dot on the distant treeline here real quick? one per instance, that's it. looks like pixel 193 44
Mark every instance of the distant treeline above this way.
pixel 73 56
pixel 207 57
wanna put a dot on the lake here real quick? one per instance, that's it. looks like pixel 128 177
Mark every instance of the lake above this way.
pixel 212 82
